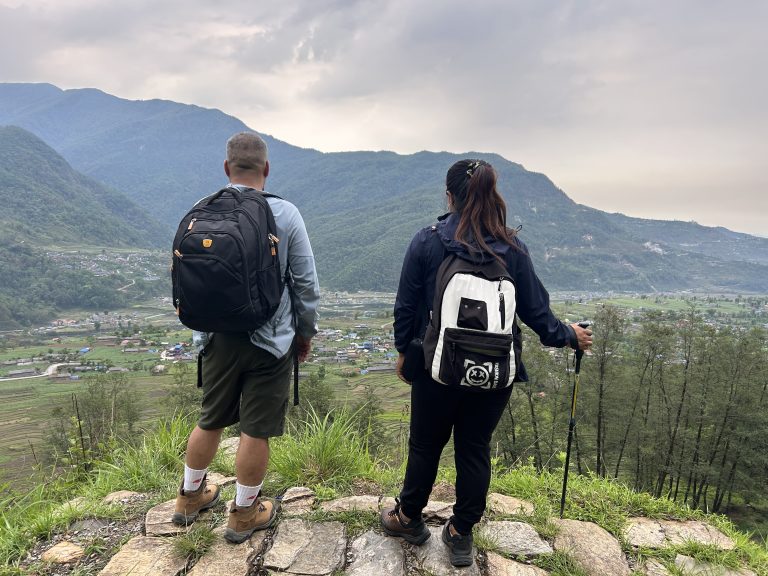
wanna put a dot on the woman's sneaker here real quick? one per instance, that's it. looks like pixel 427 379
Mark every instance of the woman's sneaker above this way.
pixel 413 531
pixel 459 546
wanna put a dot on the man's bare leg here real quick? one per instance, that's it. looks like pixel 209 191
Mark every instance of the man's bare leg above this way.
pixel 252 459
pixel 201 447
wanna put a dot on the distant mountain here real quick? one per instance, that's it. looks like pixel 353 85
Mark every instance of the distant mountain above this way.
pixel 45 201
pixel 362 208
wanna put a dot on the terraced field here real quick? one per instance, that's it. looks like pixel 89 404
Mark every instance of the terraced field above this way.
pixel 25 409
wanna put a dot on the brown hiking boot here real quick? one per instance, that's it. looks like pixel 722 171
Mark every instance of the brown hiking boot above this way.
pixel 190 504
pixel 394 524
pixel 245 520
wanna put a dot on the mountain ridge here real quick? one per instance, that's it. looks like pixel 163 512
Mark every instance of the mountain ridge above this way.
pixel 166 156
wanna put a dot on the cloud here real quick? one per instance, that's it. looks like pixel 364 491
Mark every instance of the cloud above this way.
pixel 621 96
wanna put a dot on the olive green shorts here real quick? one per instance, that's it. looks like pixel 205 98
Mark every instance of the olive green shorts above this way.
pixel 244 383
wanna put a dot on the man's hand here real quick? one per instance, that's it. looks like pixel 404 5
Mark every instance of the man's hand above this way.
pixel 303 347
pixel 399 367
pixel 583 336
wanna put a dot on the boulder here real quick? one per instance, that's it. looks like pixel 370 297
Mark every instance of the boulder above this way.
pixel 515 538
pixel 593 548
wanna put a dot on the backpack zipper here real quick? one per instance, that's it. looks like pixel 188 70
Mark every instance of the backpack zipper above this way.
pixel 502 309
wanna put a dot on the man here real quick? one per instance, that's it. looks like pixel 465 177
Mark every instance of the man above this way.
pixel 246 377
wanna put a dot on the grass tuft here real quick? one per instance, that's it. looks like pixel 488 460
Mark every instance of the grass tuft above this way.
pixel 194 543
pixel 325 451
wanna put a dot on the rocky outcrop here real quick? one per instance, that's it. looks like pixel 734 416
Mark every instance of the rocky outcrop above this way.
pixel 299 546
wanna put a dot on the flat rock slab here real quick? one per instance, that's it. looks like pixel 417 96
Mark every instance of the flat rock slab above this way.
pixel 508 506
pixel 436 511
pixel 696 531
pixel 122 497
pixel 432 558
pixel 158 520
pixel 221 480
pixel 500 566
pixel 351 503
pixel 645 533
pixel 374 553
pixel 145 556
pixel 515 538
pixel 648 533
pixel 300 547
pixel 298 500
pixel 655 568
pixel 592 547
pixel 63 553
pixel 225 559
pixel 691 567
pixel 230 445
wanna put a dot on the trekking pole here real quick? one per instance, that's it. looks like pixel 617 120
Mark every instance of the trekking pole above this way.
pixel 572 421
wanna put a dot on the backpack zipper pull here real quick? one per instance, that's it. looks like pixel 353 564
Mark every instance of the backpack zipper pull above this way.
pixel 273 241
pixel 178 254
pixel 502 308
pixel 191 223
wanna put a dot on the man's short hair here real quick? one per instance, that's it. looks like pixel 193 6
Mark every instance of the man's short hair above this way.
pixel 246 151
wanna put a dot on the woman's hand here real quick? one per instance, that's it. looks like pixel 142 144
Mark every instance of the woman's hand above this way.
pixel 583 336
pixel 399 367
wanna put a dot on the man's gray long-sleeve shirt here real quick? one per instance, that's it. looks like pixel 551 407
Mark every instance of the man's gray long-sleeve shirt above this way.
pixel 295 254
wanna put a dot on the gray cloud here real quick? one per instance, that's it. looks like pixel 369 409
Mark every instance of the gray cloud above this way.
pixel 648 107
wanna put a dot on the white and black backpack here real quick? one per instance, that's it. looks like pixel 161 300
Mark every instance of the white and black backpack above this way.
pixel 473 339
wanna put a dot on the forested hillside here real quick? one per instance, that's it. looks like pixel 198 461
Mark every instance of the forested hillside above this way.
pixel 47 203
pixel 668 404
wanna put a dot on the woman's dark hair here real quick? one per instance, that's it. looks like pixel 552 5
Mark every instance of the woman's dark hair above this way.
pixel 482 210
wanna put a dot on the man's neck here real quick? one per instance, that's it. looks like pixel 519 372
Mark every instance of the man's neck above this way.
pixel 255 183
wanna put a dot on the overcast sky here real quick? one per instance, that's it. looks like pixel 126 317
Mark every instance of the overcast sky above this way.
pixel 651 108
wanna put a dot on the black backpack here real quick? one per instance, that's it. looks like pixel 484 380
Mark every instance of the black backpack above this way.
pixel 225 272
pixel 472 339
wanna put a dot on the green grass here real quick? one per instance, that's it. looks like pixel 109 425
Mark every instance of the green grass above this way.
pixel 327 455
pixel 194 543
pixel 323 452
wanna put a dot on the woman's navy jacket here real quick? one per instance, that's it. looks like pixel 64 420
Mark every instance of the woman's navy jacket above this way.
pixel 416 291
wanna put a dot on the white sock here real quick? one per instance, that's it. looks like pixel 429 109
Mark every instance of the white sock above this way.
pixel 246 494
pixel 193 478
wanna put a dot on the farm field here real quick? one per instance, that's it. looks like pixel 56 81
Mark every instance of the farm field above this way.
pixel 25 412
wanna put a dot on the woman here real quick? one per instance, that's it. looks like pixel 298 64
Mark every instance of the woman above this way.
pixel 474 229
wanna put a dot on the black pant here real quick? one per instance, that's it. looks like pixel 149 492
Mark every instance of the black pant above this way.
pixel 436 409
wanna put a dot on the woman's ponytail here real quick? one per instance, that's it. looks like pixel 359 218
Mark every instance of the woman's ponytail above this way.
pixel 482 210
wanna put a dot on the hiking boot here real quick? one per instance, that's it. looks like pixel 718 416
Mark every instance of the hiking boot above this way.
pixel 190 504
pixel 459 546
pixel 394 524
pixel 245 520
